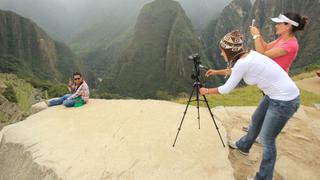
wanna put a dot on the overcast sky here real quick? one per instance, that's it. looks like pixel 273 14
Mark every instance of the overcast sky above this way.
pixel 63 17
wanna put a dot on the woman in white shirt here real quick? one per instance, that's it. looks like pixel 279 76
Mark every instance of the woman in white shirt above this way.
pixel 281 100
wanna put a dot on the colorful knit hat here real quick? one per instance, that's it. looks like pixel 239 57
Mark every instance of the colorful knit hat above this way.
pixel 232 41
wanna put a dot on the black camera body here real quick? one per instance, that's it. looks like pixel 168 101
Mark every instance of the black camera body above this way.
pixel 196 63
pixel 195 58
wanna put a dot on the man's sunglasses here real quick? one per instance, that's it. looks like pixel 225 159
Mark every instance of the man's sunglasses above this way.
pixel 76 79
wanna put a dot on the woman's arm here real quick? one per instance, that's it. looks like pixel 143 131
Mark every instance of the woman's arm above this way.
pixel 260 44
pixel 236 75
pixel 263 47
pixel 275 52
pixel 221 72
pixel 204 91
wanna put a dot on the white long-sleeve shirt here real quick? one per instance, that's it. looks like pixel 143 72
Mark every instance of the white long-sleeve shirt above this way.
pixel 257 69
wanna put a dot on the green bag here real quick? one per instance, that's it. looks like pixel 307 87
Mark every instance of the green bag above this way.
pixel 78 101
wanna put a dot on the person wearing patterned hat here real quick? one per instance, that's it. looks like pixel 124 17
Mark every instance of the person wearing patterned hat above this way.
pixel 281 100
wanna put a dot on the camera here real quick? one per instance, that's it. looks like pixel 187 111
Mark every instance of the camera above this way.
pixel 194 57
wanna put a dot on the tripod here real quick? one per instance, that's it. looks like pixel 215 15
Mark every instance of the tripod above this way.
pixel 196 86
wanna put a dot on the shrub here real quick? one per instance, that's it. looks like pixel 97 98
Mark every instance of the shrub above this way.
pixel 163 95
pixel 10 94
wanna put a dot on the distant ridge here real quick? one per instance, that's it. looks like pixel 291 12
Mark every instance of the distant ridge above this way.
pixel 27 50
pixel 156 58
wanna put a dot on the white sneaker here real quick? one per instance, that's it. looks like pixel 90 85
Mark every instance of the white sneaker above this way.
pixel 46 102
pixel 251 178
pixel 245 128
pixel 258 140
pixel 233 145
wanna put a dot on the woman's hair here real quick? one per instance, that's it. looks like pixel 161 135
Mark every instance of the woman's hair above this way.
pixel 302 20
pixel 233 45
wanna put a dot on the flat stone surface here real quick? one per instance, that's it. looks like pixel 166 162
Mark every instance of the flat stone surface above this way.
pixel 116 139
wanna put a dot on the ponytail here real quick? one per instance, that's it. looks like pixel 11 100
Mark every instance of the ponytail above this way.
pixel 302 20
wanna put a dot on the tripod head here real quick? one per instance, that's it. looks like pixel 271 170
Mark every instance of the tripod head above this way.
pixel 196 67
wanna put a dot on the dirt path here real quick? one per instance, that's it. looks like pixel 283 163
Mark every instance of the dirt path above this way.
pixel 310 84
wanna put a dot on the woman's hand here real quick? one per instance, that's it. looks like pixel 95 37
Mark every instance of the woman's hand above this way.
pixel 203 91
pixel 211 72
pixel 254 31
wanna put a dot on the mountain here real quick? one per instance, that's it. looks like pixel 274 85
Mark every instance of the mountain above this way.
pixel 64 20
pixel 27 50
pixel 100 44
pixel 201 12
pixel 98 30
pixel 49 15
pixel 155 59
pixel 239 14
pixel 232 17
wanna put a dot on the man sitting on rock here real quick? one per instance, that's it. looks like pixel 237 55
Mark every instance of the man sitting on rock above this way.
pixel 80 95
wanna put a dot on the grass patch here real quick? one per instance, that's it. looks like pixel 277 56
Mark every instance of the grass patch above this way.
pixel 309 98
pixel 18 91
pixel 251 95
pixel 244 96
pixel 3 117
pixel 248 96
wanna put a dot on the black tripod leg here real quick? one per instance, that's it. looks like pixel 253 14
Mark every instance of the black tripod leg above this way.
pixel 205 99
pixel 198 106
pixel 184 114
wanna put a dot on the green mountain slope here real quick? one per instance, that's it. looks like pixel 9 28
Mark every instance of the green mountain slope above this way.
pixel 232 17
pixel 26 50
pixel 100 44
pixel 156 58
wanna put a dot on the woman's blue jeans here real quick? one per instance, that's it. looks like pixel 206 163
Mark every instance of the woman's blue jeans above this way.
pixel 62 100
pixel 268 119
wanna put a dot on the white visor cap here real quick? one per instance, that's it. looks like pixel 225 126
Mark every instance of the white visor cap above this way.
pixel 282 18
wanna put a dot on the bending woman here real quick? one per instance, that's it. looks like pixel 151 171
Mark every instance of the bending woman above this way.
pixel 281 100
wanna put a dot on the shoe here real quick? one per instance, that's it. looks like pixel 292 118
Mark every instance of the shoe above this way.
pixel 251 178
pixel 46 102
pixel 258 140
pixel 233 145
pixel 245 128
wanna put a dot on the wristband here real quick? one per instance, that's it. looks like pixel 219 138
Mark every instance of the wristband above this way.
pixel 256 37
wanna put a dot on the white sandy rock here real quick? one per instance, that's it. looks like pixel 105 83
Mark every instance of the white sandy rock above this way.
pixel 114 139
